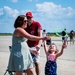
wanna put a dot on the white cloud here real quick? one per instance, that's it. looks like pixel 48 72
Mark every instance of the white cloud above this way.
pixel 50 15
pixel 33 0
pixel 24 11
pixel 7 17
pixel 10 12
pixel 30 0
pixel 14 0
pixel 52 10
pixel 53 16
pixel 1 12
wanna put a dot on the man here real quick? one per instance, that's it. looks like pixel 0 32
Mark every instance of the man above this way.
pixel 71 37
pixel 63 35
pixel 34 28
pixel 44 33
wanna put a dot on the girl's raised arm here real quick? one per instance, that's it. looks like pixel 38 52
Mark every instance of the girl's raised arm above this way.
pixel 62 49
pixel 45 47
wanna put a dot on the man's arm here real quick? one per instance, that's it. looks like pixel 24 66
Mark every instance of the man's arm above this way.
pixel 40 41
pixel 40 34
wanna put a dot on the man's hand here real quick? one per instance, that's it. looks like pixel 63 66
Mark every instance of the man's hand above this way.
pixel 35 52
pixel 37 47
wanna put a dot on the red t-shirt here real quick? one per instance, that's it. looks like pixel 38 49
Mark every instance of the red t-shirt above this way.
pixel 33 29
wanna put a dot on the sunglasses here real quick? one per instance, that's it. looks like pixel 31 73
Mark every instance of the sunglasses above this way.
pixel 29 17
pixel 25 21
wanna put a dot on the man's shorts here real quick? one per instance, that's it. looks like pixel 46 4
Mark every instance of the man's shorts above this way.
pixel 71 38
pixel 35 58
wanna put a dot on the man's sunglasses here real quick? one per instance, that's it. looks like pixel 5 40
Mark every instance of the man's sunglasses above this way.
pixel 29 17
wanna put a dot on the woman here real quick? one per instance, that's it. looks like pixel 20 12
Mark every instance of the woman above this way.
pixel 20 57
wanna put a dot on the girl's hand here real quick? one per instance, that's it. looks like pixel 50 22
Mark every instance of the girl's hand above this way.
pixel 47 38
pixel 64 46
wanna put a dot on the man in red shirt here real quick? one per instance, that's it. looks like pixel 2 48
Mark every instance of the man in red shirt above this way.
pixel 34 28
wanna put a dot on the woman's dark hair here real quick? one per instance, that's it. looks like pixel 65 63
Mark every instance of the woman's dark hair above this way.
pixel 19 21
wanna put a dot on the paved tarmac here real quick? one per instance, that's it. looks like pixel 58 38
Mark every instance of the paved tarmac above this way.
pixel 65 63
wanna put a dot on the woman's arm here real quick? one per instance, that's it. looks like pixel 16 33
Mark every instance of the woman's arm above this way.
pixel 23 33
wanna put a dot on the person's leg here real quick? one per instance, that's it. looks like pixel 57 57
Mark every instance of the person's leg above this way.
pixel 30 71
pixel 67 42
pixel 70 41
pixel 37 68
pixel 73 41
pixel 37 64
pixel 19 73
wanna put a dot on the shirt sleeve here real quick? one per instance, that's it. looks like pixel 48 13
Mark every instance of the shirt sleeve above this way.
pixel 39 26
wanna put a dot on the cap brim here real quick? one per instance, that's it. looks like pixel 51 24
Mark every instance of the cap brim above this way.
pixel 30 16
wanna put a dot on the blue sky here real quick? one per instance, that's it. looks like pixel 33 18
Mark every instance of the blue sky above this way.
pixel 53 15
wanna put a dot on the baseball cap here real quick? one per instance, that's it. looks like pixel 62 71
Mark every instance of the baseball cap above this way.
pixel 29 14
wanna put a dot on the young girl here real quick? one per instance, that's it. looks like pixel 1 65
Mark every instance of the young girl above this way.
pixel 52 54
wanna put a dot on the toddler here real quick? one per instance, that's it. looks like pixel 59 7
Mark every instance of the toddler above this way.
pixel 52 54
